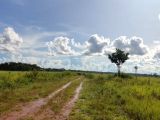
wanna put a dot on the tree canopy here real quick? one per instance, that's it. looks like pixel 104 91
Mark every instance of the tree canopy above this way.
pixel 118 57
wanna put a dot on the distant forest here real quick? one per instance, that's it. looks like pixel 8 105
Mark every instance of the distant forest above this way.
pixel 13 66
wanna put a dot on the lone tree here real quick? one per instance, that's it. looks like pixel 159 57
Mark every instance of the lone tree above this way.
pixel 136 68
pixel 118 57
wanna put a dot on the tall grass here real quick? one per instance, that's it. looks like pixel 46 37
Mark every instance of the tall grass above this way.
pixel 111 98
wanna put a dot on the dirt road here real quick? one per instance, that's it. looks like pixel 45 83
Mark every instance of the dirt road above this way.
pixel 32 107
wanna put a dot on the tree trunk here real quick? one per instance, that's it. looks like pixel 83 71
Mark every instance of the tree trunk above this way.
pixel 136 73
pixel 119 70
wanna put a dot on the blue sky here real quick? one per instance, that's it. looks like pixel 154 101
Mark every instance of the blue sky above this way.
pixel 78 34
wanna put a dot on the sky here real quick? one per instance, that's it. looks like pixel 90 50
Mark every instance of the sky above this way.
pixel 79 34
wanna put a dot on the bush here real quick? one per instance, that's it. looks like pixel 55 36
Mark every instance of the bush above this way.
pixel 102 77
pixel 66 73
pixel 81 73
pixel 32 75
pixel 7 84
pixel 89 75
pixel 125 75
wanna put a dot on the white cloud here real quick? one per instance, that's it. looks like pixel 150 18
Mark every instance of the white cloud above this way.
pixel 133 45
pixel 96 45
pixel 60 45
pixel 78 45
pixel 36 38
pixel 156 42
pixel 157 55
pixel 10 40
pixel 137 47
pixel 157 52
pixel 159 16
pixel 121 42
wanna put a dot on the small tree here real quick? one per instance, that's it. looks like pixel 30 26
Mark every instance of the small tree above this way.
pixel 118 57
pixel 136 68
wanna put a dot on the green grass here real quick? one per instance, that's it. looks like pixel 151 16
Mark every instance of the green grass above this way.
pixel 105 97
pixel 21 87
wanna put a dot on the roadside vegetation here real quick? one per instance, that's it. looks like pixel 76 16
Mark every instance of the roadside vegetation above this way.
pixel 21 87
pixel 107 97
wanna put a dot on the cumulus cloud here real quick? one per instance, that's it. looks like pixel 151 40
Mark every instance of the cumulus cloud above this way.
pixel 96 45
pixel 133 45
pixel 60 45
pixel 137 47
pixel 156 52
pixel 157 55
pixel 121 42
pixel 10 40
pixel 65 46
pixel 78 45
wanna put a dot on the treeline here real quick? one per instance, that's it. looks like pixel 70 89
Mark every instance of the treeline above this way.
pixel 12 66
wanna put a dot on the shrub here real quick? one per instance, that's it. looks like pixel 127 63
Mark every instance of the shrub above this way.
pixel 124 75
pixel 7 84
pixel 89 75
pixel 32 75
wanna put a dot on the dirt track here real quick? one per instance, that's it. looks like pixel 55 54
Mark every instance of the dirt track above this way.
pixel 68 107
pixel 32 107
pixel 48 114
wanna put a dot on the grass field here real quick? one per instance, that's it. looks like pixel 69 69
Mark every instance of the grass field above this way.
pixel 103 97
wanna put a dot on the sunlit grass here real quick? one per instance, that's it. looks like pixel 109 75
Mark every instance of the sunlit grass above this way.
pixel 105 97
